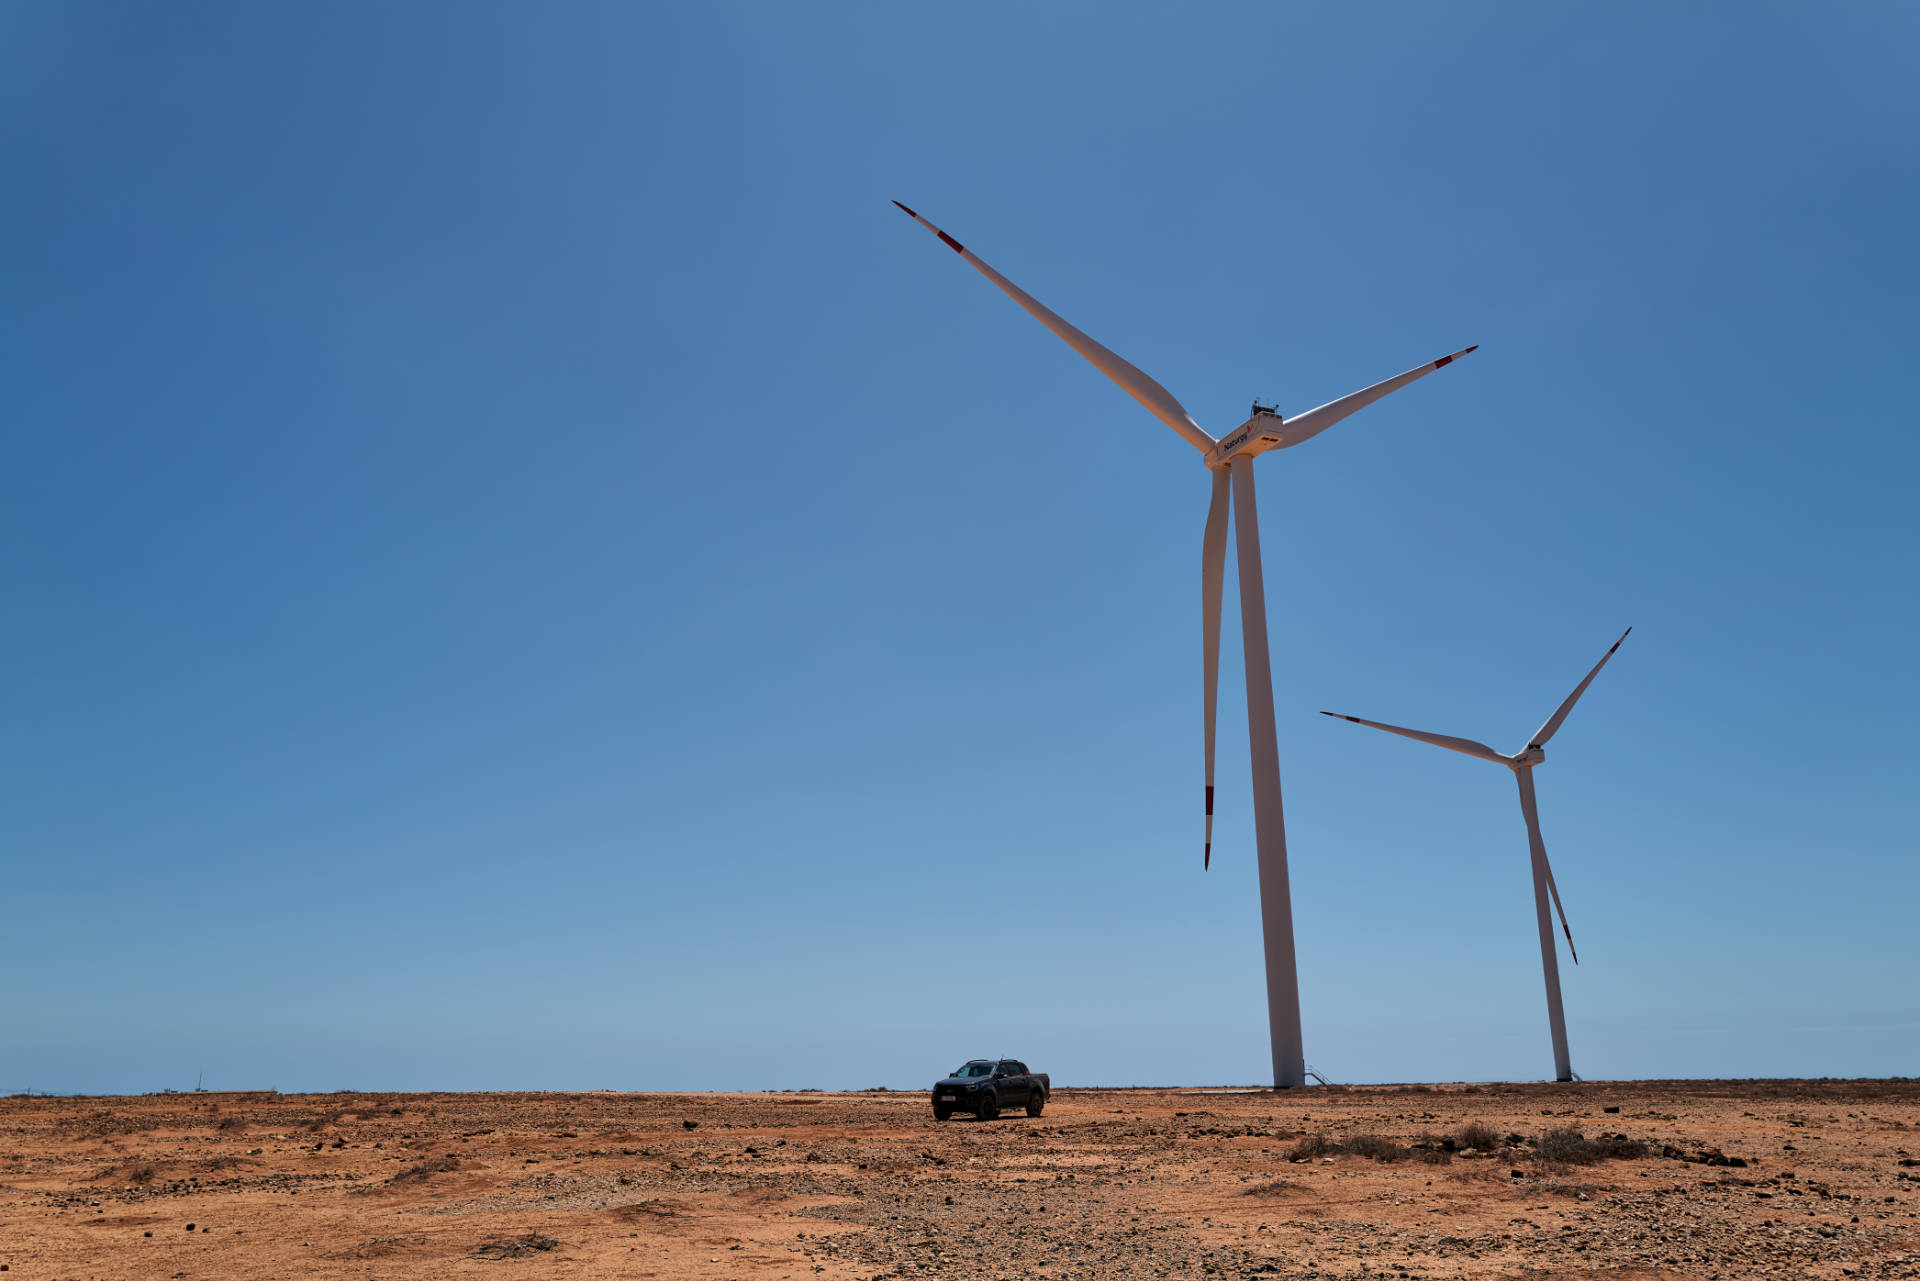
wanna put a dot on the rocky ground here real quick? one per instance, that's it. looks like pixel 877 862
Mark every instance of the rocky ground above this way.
pixel 1691 1179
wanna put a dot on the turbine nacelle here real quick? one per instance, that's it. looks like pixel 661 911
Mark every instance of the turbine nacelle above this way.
pixel 1529 758
pixel 1264 431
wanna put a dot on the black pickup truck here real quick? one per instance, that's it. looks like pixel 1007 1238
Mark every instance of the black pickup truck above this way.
pixel 984 1086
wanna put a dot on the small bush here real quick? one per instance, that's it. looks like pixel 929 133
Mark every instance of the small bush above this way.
pixel 1618 1147
pixel 1474 1134
pixel 514 1247
pixel 1374 1148
pixel 1568 1146
pixel 1273 1187
pixel 426 1169
pixel 138 1173
pixel 1371 1146
pixel 232 1123
pixel 1314 1145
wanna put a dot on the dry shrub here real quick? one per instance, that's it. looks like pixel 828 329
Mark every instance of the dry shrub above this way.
pixel 137 1173
pixel 232 1123
pixel 1618 1147
pixel 1310 1147
pixel 1273 1187
pixel 514 1247
pixel 1477 1135
pixel 1371 1146
pixel 427 1169
pixel 1567 1146
pixel 1374 1148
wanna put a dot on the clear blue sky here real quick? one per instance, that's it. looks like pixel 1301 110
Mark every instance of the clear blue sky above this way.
pixel 524 570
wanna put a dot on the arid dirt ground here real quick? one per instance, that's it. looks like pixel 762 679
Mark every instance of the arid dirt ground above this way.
pixel 1738 1179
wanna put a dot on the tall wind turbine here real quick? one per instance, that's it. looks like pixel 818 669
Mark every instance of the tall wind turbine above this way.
pixel 1230 459
pixel 1522 764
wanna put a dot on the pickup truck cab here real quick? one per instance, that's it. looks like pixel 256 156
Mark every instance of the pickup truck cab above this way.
pixel 984 1086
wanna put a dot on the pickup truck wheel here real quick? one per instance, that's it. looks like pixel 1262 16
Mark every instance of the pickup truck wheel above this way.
pixel 989 1107
pixel 1036 1101
pixel 942 1114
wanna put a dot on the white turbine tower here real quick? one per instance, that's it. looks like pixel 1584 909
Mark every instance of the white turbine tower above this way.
pixel 1522 764
pixel 1230 459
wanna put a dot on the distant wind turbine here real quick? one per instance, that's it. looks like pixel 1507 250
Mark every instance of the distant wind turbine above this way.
pixel 1230 459
pixel 1522 766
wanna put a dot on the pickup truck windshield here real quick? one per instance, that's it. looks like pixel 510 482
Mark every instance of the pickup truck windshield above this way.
pixel 979 1067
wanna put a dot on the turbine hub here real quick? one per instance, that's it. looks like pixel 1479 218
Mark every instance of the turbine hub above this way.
pixel 1532 756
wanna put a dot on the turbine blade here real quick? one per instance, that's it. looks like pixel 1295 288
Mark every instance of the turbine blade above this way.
pixel 1213 569
pixel 1466 745
pixel 1157 400
pixel 1314 421
pixel 1555 891
pixel 1552 726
